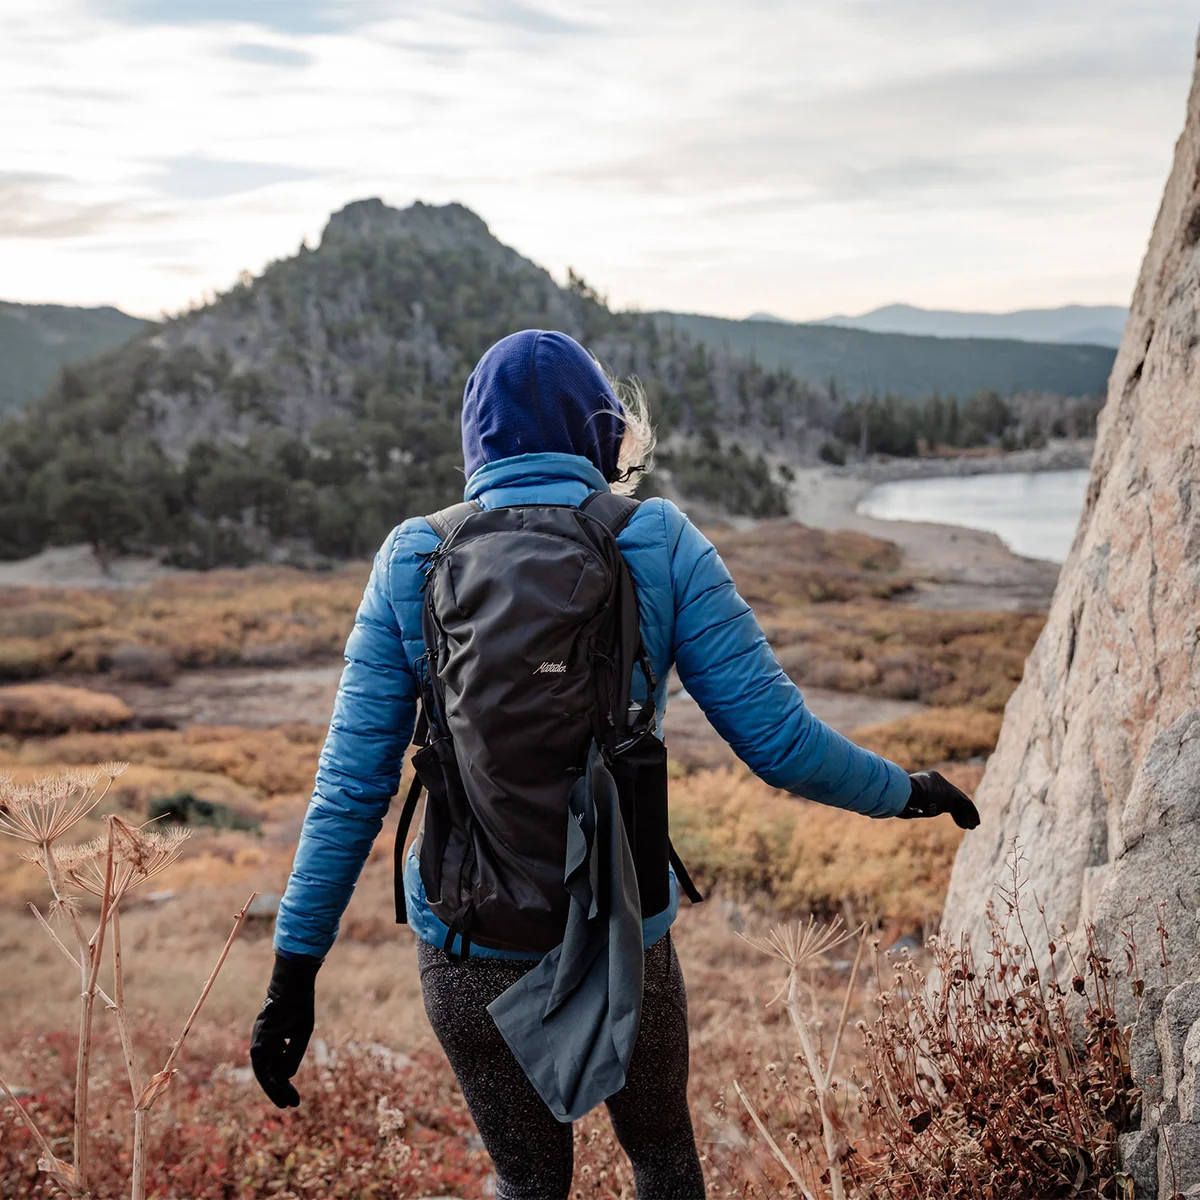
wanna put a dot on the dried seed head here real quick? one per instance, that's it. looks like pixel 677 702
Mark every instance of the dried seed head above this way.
pixel 801 946
pixel 139 854
pixel 43 810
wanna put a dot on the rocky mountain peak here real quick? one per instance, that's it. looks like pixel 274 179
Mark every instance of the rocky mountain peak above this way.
pixel 435 226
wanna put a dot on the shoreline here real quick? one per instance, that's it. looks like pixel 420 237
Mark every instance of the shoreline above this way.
pixel 959 568
pixel 1065 455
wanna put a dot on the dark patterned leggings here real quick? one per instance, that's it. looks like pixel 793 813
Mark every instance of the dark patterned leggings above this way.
pixel 533 1152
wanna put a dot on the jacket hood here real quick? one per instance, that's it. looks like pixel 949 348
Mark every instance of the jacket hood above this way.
pixel 538 392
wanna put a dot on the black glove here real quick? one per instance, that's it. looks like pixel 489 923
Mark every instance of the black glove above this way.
pixel 932 795
pixel 283 1028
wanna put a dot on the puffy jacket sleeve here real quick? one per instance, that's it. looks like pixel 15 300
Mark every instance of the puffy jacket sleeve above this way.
pixel 727 666
pixel 358 772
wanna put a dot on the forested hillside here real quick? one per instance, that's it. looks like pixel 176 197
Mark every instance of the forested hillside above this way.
pixel 862 362
pixel 312 408
pixel 37 339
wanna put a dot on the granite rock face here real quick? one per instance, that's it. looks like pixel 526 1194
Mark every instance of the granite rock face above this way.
pixel 1097 771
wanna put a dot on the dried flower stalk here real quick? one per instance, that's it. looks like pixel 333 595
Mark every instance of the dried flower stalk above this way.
pixel 107 868
pixel 799 948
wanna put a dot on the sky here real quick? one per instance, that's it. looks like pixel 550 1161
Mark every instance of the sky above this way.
pixel 720 156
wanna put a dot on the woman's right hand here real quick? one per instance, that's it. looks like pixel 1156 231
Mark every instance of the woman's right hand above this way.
pixel 284 1025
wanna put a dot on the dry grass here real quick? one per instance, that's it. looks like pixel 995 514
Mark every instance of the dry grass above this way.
pixel 823 598
pixel 939 735
pixel 766 853
pixel 262 616
pixel 941 658
pixel 212 858
pixel 42 709
pixel 781 564
pixel 278 760
pixel 788 855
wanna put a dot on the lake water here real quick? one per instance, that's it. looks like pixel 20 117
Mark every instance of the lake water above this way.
pixel 1034 513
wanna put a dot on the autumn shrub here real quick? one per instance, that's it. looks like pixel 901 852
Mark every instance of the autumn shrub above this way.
pixel 131 797
pixel 938 735
pixel 29 619
pixel 25 657
pixel 980 1079
pixel 982 1086
pixel 780 564
pixel 794 856
pixel 272 761
pixel 39 815
pixel 217 618
pixel 41 709
pixel 372 1124
pixel 948 659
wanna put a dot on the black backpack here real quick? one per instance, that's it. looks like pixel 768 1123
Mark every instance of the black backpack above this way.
pixel 530 621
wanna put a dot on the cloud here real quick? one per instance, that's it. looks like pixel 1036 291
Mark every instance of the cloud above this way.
pixel 29 209
pixel 195 177
pixel 796 157
pixel 526 18
pixel 979 121
pixel 262 54
pixel 305 17
pixel 296 17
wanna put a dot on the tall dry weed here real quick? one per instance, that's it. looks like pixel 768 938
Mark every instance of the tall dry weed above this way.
pixel 39 813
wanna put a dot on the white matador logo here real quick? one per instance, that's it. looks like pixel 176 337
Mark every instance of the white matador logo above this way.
pixel 549 668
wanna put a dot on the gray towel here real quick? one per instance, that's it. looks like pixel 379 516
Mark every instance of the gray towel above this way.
pixel 572 1021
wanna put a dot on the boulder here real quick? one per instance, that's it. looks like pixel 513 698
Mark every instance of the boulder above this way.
pixel 1145 1060
pixel 1178 1160
pixel 1180 1011
pixel 1096 774
pixel 1097 768
pixel 1139 1158
pixel 1188 1088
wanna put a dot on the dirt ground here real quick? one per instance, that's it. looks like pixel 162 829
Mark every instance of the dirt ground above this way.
pixel 305 695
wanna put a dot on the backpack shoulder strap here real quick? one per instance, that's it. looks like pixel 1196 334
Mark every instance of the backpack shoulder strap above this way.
pixel 610 509
pixel 446 521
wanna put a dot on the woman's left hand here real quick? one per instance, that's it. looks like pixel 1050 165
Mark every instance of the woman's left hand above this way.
pixel 934 794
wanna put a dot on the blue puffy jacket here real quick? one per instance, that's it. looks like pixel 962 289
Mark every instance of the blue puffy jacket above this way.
pixel 692 618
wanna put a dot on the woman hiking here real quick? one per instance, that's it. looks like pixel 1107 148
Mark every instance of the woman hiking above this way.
pixel 523 640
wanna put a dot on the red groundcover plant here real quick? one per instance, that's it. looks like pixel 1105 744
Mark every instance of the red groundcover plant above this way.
pixel 367 1128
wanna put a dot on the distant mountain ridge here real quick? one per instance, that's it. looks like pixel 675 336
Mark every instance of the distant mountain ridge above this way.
pixel 1088 324
pixel 861 362
pixel 37 340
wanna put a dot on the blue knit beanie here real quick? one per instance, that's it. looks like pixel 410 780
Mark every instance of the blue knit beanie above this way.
pixel 538 391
